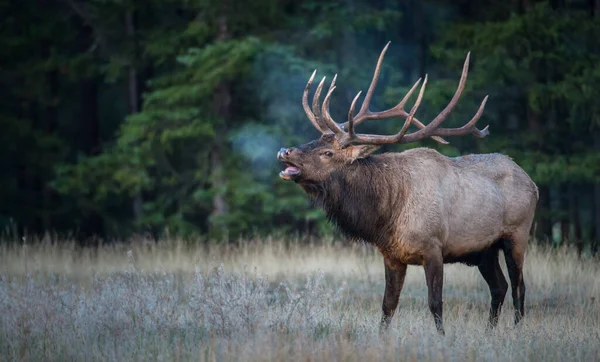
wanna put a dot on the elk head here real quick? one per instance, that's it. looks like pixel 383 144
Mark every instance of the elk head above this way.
pixel 313 162
pixel 340 146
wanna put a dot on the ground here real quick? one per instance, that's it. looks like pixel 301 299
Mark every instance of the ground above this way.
pixel 263 300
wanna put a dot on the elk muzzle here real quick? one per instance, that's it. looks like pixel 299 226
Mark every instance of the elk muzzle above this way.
pixel 291 172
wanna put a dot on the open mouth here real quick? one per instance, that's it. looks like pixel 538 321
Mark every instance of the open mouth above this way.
pixel 291 172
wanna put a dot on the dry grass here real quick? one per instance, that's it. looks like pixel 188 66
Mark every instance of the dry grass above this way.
pixel 265 301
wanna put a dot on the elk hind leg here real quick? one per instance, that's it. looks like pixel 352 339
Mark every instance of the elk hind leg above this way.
pixel 514 253
pixel 492 274
pixel 394 281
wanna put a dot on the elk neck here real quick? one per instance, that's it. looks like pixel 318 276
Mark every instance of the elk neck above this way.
pixel 362 199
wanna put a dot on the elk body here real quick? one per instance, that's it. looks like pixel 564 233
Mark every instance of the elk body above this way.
pixel 418 207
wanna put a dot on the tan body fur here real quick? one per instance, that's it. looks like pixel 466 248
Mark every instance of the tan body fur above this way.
pixel 457 205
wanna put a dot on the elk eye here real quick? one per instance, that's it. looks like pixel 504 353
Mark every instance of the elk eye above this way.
pixel 328 153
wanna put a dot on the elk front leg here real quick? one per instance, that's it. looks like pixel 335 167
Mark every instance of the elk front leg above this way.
pixel 434 274
pixel 394 280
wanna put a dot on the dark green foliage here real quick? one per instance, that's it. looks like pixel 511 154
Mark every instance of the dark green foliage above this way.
pixel 145 116
pixel 540 67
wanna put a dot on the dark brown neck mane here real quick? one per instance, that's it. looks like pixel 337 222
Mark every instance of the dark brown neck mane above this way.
pixel 358 200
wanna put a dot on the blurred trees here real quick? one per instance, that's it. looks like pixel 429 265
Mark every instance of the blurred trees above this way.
pixel 123 116
pixel 541 65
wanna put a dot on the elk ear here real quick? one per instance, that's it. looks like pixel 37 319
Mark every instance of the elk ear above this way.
pixel 361 151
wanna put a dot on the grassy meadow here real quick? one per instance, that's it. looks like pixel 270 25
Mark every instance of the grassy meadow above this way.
pixel 277 300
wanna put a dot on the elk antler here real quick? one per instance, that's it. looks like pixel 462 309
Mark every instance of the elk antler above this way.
pixel 345 132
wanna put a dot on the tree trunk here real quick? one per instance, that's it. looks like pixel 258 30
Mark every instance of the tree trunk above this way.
pixel 50 119
pixel 594 6
pixel 22 175
pixel 94 224
pixel 220 206
pixel 543 228
pixel 421 36
pixel 595 243
pixel 596 220
pixel 133 93
pixel 221 108
pixel 596 203
pixel 574 216
pixel 347 53
pixel 557 4
pixel 533 119
pixel 523 5
pixel 564 213
pixel 91 120
pixel 544 209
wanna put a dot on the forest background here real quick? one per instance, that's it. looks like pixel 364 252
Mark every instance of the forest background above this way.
pixel 121 117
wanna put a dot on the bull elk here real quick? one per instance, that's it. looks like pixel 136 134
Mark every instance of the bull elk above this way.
pixel 418 207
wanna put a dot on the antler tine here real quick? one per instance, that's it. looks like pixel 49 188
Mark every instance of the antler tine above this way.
pixel 413 110
pixel 400 106
pixel 478 133
pixel 433 127
pixel 393 112
pixel 364 109
pixel 470 126
pixel 326 117
pixel 316 115
pixel 351 115
pixel 311 116
pixel 444 113
pixel 332 83
pixel 329 92
pixel 315 103
pixel 373 139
